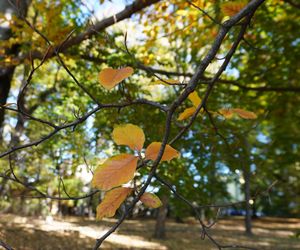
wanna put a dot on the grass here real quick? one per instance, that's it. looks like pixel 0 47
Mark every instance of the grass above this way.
pixel 80 233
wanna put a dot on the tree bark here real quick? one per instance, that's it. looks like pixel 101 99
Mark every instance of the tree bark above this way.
pixel 247 189
pixel 248 222
pixel 160 227
pixel 6 72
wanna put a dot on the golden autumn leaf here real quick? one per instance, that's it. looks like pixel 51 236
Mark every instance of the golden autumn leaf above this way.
pixel 129 135
pixel 244 113
pixel 115 171
pixel 195 99
pixel 233 7
pixel 110 77
pixel 153 149
pixel 186 113
pixel 151 200
pixel 227 113
pixel 112 201
pixel 166 82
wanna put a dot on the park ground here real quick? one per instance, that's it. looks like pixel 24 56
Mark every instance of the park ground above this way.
pixel 79 233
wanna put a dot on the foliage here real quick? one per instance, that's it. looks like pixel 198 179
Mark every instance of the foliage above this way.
pixel 120 169
pixel 95 78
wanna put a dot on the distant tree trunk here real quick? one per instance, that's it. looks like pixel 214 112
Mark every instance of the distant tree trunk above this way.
pixel 248 222
pixel 89 204
pixel 254 210
pixel 6 72
pixel 5 80
pixel 160 227
pixel 247 190
pixel 179 219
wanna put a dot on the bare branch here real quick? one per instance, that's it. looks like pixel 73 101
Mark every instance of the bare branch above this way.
pixel 5 246
pixel 81 120
pixel 249 9
pixel 129 10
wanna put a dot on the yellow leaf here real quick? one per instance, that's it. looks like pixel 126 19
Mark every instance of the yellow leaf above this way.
pixel 245 114
pixel 129 135
pixel 112 201
pixel 227 113
pixel 195 99
pixel 110 77
pixel 166 82
pixel 233 7
pixel 186 113
pixel 153 149
pixel 151 200
pixel 115 171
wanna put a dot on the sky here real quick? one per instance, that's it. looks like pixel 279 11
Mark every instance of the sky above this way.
pixel 106 9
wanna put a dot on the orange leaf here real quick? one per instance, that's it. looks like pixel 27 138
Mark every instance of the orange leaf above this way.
pixel 245 114
pixel 227 113
pixel 112 201
pixel 115 171
pixel 151 200
pixel 233 7
pixel 129 135
pixel 110 77
pixel 186 113
pixel 153 149
pixel 195 99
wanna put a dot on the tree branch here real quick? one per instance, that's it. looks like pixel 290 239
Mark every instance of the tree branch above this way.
pixel 129 10
pixel 249 9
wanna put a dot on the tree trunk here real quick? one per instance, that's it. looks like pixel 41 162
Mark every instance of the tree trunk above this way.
pixel 6 72
pixel 248 222
pixel 247 190
pixel 160 227
pixel 5 80
pixel 254 210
